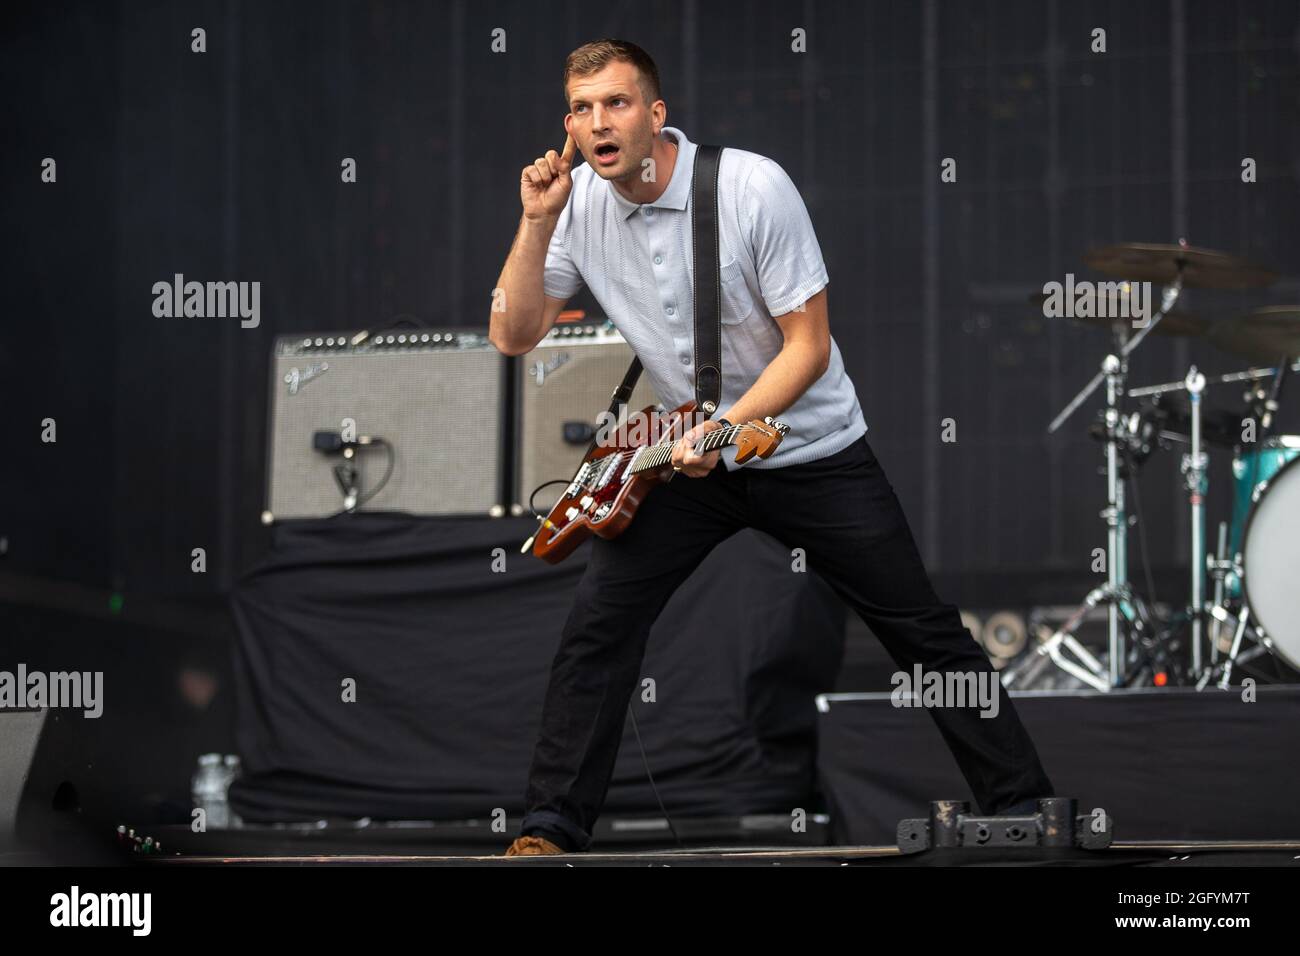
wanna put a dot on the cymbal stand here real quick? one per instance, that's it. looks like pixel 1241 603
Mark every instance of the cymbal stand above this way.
pixel 1194 475
pixel 1116 593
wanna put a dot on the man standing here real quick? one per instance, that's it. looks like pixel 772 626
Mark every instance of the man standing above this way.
pixel 622 225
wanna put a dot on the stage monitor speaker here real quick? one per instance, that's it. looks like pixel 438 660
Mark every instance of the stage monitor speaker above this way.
pixel 20 731
pixel 563 386
pixel 437 399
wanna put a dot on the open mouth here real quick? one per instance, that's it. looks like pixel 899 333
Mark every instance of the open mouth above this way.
pixel 606 153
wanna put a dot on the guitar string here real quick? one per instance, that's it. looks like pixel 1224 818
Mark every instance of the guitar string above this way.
pixel 726 433
pixel 717 437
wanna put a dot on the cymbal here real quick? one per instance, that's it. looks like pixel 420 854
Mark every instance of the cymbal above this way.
pixel 1264 335
pixel 1155 262
pixel 1178 322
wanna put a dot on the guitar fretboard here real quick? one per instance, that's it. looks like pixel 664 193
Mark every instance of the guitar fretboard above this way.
pixel 656 456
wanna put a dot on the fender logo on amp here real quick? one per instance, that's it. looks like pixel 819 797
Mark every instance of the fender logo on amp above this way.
pixel 541 369
pixel 296 378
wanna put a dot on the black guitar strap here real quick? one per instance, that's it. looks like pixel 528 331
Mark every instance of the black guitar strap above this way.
pixel 620 397
pixel 708 282
pixel 708 289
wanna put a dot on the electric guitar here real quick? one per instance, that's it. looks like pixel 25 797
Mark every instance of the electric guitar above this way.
pixel 614 477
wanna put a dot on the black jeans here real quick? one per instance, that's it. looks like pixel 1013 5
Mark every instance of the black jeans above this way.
pixel 842 511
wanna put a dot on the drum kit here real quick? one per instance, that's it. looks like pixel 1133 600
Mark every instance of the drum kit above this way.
pixel 1253 573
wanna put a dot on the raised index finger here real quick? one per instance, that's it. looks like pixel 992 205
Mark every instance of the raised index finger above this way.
pixel 569 147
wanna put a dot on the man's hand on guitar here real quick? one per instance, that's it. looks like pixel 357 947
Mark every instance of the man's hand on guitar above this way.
pixel 684 458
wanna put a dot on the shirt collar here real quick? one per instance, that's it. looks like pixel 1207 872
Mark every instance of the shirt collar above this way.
pixel 679 187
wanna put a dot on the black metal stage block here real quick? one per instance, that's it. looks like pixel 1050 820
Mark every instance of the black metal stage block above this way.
pixel 1166 764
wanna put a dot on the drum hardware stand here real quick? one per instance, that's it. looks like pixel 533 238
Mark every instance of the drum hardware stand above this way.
pixel 1052 648
pixel 1219 567
pixel 1265 406
pixel 1194 468
pixel 1241 625
pixel 1116 593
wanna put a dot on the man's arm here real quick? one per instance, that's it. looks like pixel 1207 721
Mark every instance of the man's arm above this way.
pixel 790 266
pixel 522 313
pixel 803 359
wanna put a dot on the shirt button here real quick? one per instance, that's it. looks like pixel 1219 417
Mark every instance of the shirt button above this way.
pixel 670 310
pixel 659 260
pixel 648 211
pixel 686 360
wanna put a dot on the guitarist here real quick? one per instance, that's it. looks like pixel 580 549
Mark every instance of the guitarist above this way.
pixel 621 225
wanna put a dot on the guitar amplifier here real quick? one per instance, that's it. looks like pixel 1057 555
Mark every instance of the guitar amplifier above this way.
pixel 437 399
pixel 563 386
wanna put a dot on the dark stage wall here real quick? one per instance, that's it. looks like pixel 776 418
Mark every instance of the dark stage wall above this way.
pixel 225 166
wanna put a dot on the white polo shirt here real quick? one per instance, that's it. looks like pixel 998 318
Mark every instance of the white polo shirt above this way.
pixel 638 261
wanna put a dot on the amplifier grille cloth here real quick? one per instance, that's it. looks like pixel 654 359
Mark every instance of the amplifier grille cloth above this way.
pixel 578 379
pixel 440 409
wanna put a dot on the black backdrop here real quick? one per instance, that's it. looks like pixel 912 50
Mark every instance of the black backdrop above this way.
pixel 447 653
pixel 225 166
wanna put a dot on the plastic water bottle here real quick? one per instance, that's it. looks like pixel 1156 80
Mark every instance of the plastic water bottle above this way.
pixel 232 770
pixel 208 791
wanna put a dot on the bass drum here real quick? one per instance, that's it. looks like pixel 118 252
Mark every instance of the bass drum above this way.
pixel 1270 558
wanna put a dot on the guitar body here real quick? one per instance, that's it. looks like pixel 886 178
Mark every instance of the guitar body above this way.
pixel 614 479
pixel 603 511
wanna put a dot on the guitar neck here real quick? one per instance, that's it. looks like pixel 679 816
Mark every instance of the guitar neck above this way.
pixel 656 456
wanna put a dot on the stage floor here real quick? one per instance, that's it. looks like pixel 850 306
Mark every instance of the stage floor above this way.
pixel 1119 854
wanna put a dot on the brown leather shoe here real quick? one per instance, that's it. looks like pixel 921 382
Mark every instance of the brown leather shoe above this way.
pixel 533 846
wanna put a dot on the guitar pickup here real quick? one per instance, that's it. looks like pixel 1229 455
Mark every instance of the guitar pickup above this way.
pixel 576 485
pixel 603 475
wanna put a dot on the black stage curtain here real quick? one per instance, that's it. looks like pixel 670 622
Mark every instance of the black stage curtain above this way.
pixel 1166 764
pixel 450 660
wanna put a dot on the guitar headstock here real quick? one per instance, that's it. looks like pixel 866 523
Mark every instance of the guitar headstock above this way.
pixel 759 439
